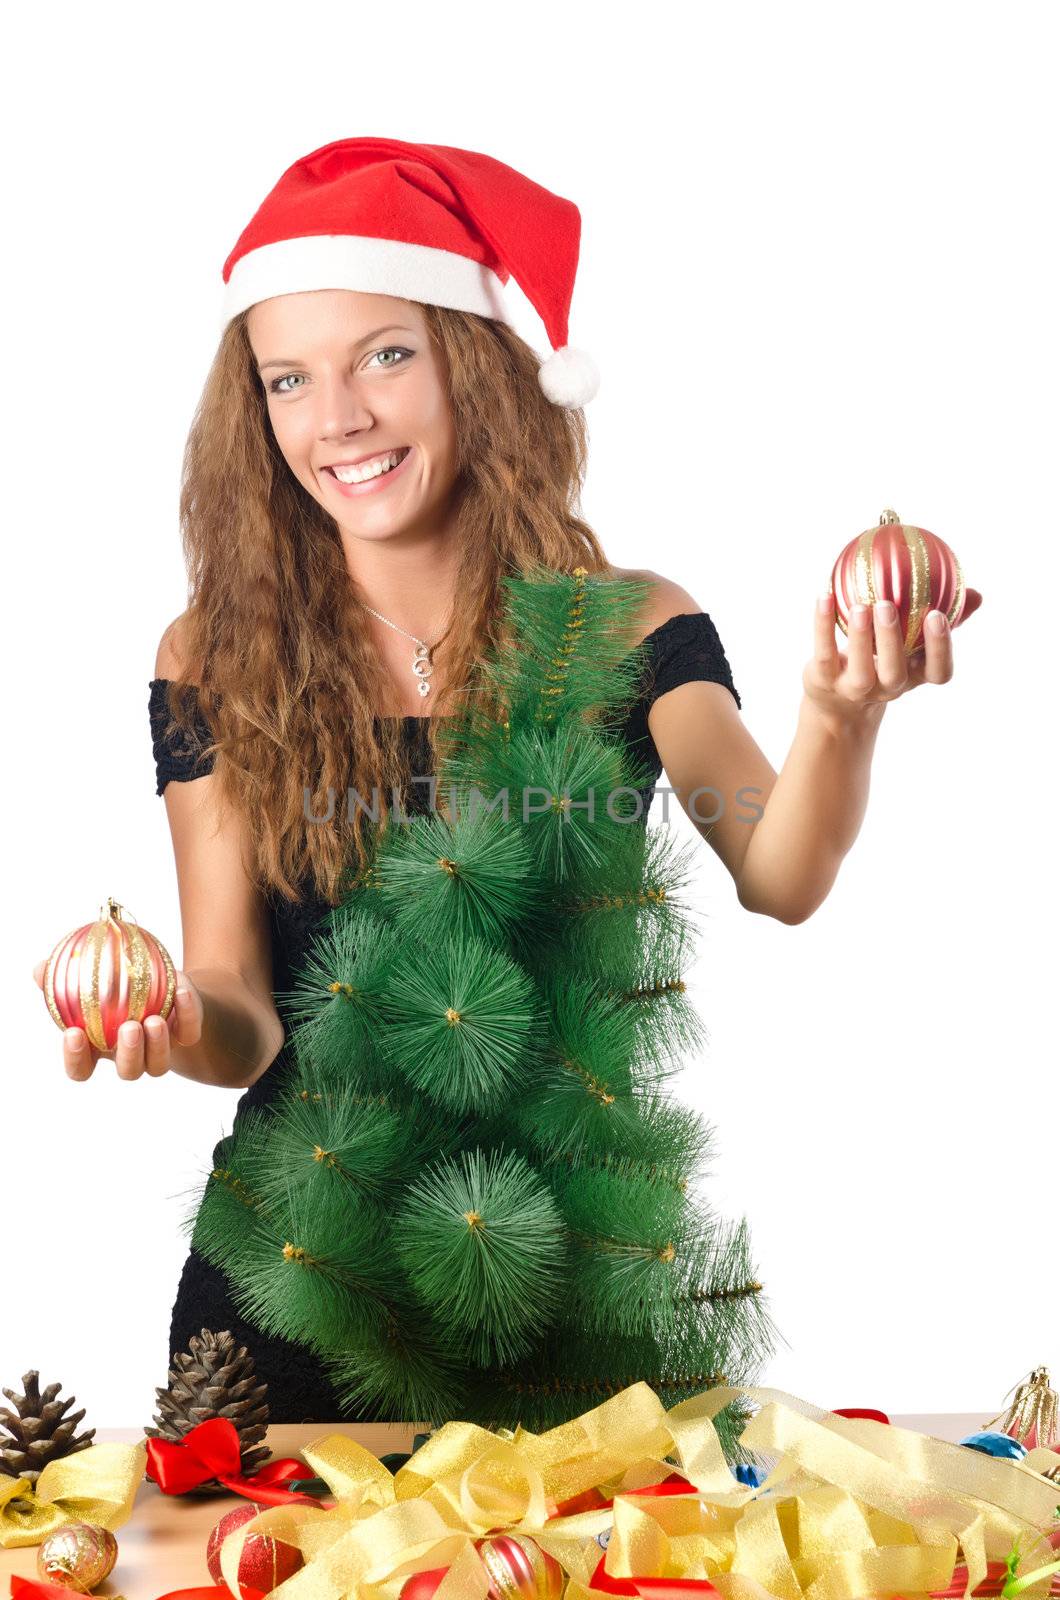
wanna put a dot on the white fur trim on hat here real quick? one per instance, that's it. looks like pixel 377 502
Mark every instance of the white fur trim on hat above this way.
pixel 372 266
pixel 569 377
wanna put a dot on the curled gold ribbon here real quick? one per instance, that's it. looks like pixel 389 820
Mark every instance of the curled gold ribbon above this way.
pixel 97 1484
pixel 852 1507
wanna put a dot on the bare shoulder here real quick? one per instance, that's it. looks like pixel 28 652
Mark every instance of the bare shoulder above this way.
pixel 172 656
pixel 666 599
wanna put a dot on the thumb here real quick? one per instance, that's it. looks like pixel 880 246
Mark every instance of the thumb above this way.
pixel 972 601
pixel 38 973
pixel 186 1016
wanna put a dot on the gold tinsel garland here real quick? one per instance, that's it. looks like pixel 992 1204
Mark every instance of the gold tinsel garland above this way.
pixel 851 1507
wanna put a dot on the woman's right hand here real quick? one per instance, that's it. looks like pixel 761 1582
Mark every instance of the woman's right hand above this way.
pixel 142 1047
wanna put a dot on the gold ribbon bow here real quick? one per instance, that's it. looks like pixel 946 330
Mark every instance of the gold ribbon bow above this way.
pixel 852 1507
pixel 97 1484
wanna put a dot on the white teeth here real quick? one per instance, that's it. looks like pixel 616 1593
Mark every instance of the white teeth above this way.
pixel 369 469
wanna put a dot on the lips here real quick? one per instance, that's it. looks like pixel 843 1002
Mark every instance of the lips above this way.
pixel 378 483
pixel 401 449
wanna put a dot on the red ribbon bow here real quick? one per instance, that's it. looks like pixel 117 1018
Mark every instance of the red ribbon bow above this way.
pixel 211 1450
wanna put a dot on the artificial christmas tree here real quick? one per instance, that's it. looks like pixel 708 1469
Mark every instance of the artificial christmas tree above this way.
pixel 475 1199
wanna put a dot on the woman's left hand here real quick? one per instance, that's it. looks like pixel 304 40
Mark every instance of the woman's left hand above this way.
pixel 855 685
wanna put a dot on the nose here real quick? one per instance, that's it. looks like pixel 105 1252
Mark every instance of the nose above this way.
pixel 343 408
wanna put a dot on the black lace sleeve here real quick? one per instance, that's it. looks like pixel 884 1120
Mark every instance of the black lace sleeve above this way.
pixel 173 759
pixel 684 649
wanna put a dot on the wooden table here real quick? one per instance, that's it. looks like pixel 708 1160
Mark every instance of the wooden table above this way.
pixel 163 1545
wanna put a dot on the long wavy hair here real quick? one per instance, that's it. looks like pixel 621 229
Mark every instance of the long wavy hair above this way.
pixel 286 675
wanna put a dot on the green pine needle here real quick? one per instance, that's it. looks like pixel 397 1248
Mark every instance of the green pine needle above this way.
pixel 572 654
pixel 640 1135
pixel 334 1008
pixel 631 1235
pixel 469 878
pixel 461 1022
pixel 483 1245
pixel 228 1206
pixel 338 1150
pixel 407 1374
pixel 314 1275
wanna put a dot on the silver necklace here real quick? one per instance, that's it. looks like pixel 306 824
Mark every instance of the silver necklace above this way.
pixel 422 665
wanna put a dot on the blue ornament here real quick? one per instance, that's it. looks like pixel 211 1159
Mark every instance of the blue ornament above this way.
pixel 1002 1445
pixel 744 1472
pixel 603 1538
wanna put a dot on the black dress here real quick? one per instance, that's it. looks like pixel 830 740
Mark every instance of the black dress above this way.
pixel 682 649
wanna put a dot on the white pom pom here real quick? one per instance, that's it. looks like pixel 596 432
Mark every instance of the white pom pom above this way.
pixel 569 377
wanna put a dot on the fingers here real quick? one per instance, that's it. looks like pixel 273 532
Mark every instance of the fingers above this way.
pixel 79 1057
pixel 185 1019
pixel 876 655
pixel 891 665
pixel 157 1041
pixel 825 654
pixel 860 677
pixel 143 1047
pixel 938 648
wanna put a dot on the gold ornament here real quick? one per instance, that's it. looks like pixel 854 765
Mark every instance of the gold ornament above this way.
pixel 1032 1416
pixel 78 1555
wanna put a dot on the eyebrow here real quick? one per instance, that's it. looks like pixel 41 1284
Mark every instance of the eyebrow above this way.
pixel 387 328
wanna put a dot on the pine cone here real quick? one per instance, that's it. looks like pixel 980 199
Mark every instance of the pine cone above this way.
pixel 214 1378
pixel 39 1433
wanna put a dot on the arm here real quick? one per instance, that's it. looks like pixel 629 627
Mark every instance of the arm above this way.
pixel 814 815
pixel 785 856
pixel 227 951
pixel 782 838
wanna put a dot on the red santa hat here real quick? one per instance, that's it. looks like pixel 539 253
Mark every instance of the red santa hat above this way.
pixel 423 222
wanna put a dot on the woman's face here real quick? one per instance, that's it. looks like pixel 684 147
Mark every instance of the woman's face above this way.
pixel 352 380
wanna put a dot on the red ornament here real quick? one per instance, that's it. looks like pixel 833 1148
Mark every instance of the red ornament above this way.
pixel 897 561
pixel 264 1562
pixel 421 1585
pixel 107 972
pixel 517 1567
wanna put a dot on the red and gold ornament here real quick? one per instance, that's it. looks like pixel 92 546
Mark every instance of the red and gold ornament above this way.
pixel 264 1561
pixel 77 1555
pixel 908 565
pixel 106 973
pixel 516 1565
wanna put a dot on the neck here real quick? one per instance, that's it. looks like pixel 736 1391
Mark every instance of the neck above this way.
pixel 413 584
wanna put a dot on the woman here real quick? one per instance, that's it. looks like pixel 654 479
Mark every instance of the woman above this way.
pixel 363 469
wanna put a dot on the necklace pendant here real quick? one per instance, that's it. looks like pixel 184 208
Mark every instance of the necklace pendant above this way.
pixel 422 666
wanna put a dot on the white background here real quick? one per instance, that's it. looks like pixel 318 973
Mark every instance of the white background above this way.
pixel 819 275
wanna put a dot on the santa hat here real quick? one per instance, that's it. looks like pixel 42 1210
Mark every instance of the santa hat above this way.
pixel 423 222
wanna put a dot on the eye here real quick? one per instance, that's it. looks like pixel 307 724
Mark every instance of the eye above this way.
pixel 274 386
pixel 392 349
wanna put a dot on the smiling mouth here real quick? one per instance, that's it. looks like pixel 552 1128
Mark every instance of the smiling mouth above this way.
pixel 388 456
